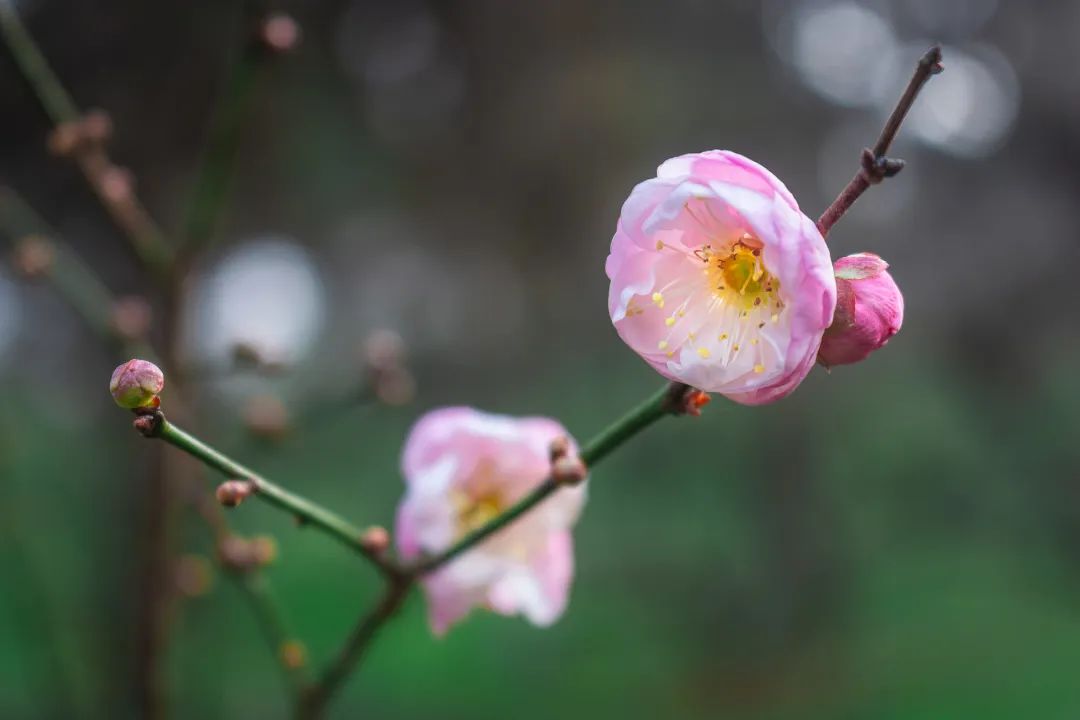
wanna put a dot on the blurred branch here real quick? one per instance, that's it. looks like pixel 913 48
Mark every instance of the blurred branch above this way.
pixel 305 511
pixel 83 138
pixel 264 36
pixel 257 590
pixel 875 165
pixel 313 702
pixel 673 399
pixel 74 281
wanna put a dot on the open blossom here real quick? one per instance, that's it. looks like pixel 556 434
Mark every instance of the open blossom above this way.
pixel 869 310
pixel 718 280
pixel 464 467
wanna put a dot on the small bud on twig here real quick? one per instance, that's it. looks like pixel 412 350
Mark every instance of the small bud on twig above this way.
pixel 280 33
pixel 193 576
pixel 559 447
pixel 131 317
pixel 375 540
pixel 34 256
pixel 568 470
pixel 387 374
pixel 266 416
pixel 65 138
pixel 147 424
pixel 97 126
pixel 136 384
pixel 117 185
pixel 293 654
pixel 264 549
pixel 233 492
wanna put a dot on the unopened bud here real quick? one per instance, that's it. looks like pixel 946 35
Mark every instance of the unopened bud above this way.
pixel 136 384
pixel 568 470
pixel 233 492
pixel 235 553
pixel 266 416
pixel 384 349
pixel 293 654
pixel 34 256
pixel 560 447
pixel 869 310
pixel 280 33
pixel 65 138
pixel 193 575
pixel 117 184
pixel 97 126
pixel 264 549
pixel 131 317
pixel 375 540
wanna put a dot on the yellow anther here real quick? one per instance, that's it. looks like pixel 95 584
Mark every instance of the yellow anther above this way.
pixel 759 368
pixel 723 336
pixel 703 352
pixel 775 318
pixel 670 321
pixel 662 345
pixel 659 244
pixel 658 299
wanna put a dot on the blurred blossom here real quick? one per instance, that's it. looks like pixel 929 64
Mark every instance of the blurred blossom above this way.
pixel 462 469
pixel 950 18
pixel 266 295
pixel 969 110
pixel 9 314
pixel 718 280
pixel 411 76
pixel 839 49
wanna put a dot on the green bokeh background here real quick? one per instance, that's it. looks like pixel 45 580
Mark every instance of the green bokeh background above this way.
pixel 898 540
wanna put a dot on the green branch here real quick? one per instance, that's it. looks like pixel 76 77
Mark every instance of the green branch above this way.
pixel 304 510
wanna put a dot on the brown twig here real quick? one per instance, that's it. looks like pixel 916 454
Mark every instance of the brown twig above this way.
pixel 875 166
pixel 82 137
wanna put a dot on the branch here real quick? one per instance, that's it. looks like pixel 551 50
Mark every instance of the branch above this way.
pixel 82 137
pixel 875 165
pixel 264 37
pixel 669 400
pixel 305 511
pixel 314 701
pixel 673 399
pixel 74 281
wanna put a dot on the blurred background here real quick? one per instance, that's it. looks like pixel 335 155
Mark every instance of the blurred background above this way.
pixel 898 539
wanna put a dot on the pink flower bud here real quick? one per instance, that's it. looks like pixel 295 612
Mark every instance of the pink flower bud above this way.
pixel 718 280
pixel 136 384
pixel 869 310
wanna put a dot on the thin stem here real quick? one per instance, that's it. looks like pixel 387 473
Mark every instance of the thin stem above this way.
pixel 55 100
pixel 266 608
pixel 124 207
pixel 304 510
pixel 318 695
pixel 73 279
pixel 223 143
pixel 663 402
pixel 875 166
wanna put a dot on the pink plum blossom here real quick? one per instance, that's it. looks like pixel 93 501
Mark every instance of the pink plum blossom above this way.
pixel 869 310
pixel 718 280
pixel 462 468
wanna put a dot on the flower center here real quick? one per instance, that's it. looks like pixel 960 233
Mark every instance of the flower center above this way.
pixel 475 509
pixel 739 276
